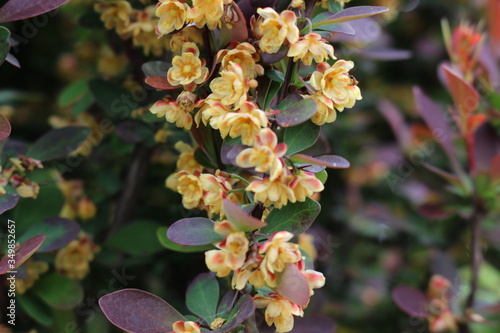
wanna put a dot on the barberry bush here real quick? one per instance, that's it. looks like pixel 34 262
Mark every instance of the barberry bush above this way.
pixel 191 178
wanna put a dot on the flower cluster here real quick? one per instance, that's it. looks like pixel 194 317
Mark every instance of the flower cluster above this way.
pixel 73 260
pixel 15 175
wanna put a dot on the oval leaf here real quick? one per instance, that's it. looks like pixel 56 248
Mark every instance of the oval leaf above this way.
pixel 59 231
pixel 161 233
pixel 352 13
pixel 193 231
pixel 136 238
pixel 465 96
pixel 4 43
pixel 5 128
pixel 241 219
pixel 15 10
pixel 160 82
pixel 202 297
pixel 25 250
pixel 411 301
pixel 300 137
pixel 35 308
pixel 243 309
pixel 9 200
pixel 238 31
pixel 329 161
pixel 59 291
pixel 137 311
pixel 296 113
pixel 155 68
pixel 58 143
pixel 295 217
pixel 292 285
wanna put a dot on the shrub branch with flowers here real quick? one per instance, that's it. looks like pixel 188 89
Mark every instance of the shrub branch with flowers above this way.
pixel 252 83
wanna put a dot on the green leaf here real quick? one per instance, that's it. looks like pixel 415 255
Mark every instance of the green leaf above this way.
pixel 136 238
pixel 275 75
pixel 49 203
pixel 243 309
pixel 116 101
pixel 300 137
pixel 322 176
pixel 352 13
pixel 72 93
pixel 161 233
pixel 4 43
pixel 334 6
pixel 35 308
pixel 274 88
pixel 59 232
pixel 82 104
pixel 202 297
pixel 58 143
pixel 202 158
pixel 59 291
pixel 295 217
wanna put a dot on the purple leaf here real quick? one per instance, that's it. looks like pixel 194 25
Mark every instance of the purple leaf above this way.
pixel 313 324
pixel 59 232
pixel 137 311
pixel 329 161
pixel 9 200
pixel 15 10
pixel 242 220
pixel 486 147
pixel 230 149
pixel 243 309
pixel 464 95
pixel 238 32
pixel 160 82
pixel 193 231
pixel 292 285
pixel 4 127
pixel 275 57
pixel 25 250
pixel 395 119
pixel 134 131
pixel 296 113
pixel 11 59
pixel 155 68
pixel 438 123
pixel 226 304
pixel 352 13
pixel 411 301
pixel 386 54
pixel 58 143
pixel 433 211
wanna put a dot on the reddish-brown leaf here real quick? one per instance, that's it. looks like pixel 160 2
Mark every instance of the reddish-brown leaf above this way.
pixel 26 250
pixel 15 10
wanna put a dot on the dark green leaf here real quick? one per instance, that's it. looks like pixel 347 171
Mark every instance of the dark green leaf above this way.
pixel 48 203
pixel 35 308
pixel 116 101
pixel 202 158
pixel 272 91
pixel 275 75
pixel 295 217
pixel 329 161
pixel 136 238
pixel 83 104
pixel 300 137
pixel 243 309
pixel 59 232
pixel 296 113
pixel 322 176
pixel 202 297
pixel 58 143
pixel 193 231
pixel 72 93
pixel 59 291
pixel 161 233
pixel 4 43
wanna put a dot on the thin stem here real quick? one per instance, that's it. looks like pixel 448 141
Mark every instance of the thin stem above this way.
pixel 286 82
pixel 476 255
pixel 235 176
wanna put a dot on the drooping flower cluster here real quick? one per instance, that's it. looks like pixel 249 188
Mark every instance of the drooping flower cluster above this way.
pixel 73 260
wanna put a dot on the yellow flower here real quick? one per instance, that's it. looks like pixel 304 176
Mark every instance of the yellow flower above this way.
pixel 186 159
pixel 191 189
pixel 298 4
pixel 278 252
pixel 306 243
pixel 251 272
pixel 115 14
pixel 232 87
pixel 273 192
pixel 186 327
pixel 276 28
pixel 315 280
pixel 336 84
pixel 186 35
pixel 265 155
pixel 215 190
pixel 325 113
pixel 73 260
pixel 305 184
pixel 173 113
pixel 33 271
pixel 243 54
pixel 212 112
pixel 86 209
pixel 279 311
pixel 231 256
pixel 172 14
pixel 216 262
pixel 188 69
pixel 310 47
pixel 247 123
pixel 207 12
pixel 28 189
